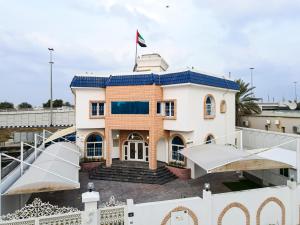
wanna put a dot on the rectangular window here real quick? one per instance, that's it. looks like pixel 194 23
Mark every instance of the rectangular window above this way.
pixel 97 109
pixel 284 172
pixel 101 108
pixel 158 108
pixel 94 109
pixel 169 109
pixel 134 107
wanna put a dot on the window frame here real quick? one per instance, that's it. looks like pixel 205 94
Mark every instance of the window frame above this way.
pixel 178 147
pixel 94 146
pixel 172 109
pixel 212 105
pixel 131 114
pixel 98 115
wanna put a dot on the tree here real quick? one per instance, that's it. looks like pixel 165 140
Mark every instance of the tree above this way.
pixel 24 105
pixel 57 103
pixel 67 104
pixel 6 105
pixel 245 102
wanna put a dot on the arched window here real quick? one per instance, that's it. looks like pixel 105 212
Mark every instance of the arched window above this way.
pixel 223 106
pixel 210 139
pixel 177 144
pixel 94 145
pixel 209 107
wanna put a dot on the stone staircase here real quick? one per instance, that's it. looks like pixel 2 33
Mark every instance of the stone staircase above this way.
pixel 135 172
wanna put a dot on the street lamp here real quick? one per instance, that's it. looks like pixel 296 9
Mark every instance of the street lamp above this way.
pixel 51 92
pixel 251 69
pixel 295 83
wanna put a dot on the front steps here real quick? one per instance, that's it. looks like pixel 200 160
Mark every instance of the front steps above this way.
pixel 135 172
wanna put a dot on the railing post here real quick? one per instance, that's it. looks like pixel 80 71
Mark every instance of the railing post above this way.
pixel 44 136
pixel 241 140
pixel 298 160
pixel 22 158
pixel 0 184
pixel 35 146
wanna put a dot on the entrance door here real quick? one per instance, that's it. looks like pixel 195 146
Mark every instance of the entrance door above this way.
pixel 136 150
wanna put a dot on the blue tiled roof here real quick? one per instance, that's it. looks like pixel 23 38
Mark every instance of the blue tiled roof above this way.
pixel 149 79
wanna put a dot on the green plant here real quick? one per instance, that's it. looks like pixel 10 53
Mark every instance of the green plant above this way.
pixel 176 164
pixel 24 105
pixel 245 102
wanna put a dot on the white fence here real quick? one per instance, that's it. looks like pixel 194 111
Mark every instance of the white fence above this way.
pixel 37 118
pixel 265 206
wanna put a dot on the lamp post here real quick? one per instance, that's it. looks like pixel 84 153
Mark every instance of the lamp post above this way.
pixel 51 92
pixel 295 83
pixel 251 69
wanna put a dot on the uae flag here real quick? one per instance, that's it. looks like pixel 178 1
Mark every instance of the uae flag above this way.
pixel 140 40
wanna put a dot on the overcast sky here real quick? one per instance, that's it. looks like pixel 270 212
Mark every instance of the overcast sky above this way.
pixel 99 35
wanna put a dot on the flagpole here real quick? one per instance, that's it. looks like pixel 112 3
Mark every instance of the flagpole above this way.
pixel 135 60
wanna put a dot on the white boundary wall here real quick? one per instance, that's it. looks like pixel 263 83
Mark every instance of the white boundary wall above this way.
pixel 265 206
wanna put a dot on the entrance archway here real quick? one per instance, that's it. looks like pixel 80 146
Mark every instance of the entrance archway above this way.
pixel 135 148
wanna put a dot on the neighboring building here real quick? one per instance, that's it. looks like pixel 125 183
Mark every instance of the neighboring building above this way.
pixel 150 117
pixel 278 117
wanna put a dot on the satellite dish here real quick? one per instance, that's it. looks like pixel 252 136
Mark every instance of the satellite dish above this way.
pixel 292 105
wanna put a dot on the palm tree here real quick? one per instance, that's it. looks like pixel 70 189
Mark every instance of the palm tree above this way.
pixel 245 102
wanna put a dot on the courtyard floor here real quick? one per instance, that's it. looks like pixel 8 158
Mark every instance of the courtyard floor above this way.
pixel 140 193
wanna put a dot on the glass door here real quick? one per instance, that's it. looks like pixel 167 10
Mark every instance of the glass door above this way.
pixel 132 151
pixel 140 150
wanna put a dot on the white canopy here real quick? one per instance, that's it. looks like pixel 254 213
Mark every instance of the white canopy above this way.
pixel 55 169
pixel 222 158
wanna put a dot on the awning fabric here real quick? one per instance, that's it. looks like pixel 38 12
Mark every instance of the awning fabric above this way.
pixel 61 133
pixel 65 175
pixel 222 158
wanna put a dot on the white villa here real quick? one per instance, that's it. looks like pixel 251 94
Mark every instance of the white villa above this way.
pixel 150 117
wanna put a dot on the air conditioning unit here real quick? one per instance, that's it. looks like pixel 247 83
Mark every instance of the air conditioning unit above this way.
pixel 246 123
pixel 268 122
pixel 296 129
pixel 277 122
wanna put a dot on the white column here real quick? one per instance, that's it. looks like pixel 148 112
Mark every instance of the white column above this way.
pixel 207 197
pixel 298 160
pixel 130 212
pixel 90 200
pixel 293 204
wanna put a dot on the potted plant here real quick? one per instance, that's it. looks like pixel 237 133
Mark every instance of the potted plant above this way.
pixel 178 168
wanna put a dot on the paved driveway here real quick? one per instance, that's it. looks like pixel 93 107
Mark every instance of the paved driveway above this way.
pixel 138 192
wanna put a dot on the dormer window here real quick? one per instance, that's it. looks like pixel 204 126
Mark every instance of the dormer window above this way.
pixel 209 107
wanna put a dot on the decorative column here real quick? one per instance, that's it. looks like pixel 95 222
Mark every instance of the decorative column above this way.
pixel 152 150
pixel 108 146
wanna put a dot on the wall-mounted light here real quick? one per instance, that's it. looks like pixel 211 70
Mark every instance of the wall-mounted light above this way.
pixel 147 137
pixel 207 186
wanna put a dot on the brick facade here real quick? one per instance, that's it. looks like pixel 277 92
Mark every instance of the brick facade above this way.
pixel 151 123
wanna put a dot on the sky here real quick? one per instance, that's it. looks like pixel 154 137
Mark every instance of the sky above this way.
pixel 99 35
